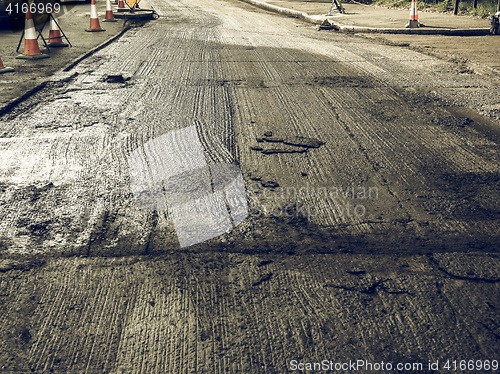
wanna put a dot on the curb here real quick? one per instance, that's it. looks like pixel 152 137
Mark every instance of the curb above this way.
pixel 419 31
pixel 75 62
pixel 362 29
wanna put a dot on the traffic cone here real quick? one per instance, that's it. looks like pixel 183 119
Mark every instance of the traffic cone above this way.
pixel 31 49
pixel 3 68
pixel 94 21
pixel 109 13
pixel 55 37
pixel 413 15
pixel 121 6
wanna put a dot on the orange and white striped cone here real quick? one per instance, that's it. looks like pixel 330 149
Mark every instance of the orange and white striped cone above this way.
pixel 121 6
pixel 109 13
pixel 55 37
pixel 31 49
pixel 4 69
pixel 94 21
pixel 413 15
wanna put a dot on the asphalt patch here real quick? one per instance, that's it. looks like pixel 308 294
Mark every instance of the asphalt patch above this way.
pixel 291 144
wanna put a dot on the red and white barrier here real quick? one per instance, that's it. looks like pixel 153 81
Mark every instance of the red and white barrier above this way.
pixel 55 37
pixel 413 15
pixel 109 13
pixel 94 20
pixel 31 49
pixel 121 6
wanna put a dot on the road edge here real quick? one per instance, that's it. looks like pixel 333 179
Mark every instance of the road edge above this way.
pixel 329 24
pixel 60 74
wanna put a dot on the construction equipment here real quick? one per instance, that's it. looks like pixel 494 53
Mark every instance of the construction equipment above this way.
pixel 339 6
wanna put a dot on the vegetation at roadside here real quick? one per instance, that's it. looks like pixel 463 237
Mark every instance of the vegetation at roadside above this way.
pixel 484 8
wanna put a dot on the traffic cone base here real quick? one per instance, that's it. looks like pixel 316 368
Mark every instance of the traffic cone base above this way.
pixel 32 57
pixel 4 69
pixel 32 51
pixel 110 20
pixel 412 24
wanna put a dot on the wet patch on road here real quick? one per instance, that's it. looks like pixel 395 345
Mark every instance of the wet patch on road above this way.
pixel 287 144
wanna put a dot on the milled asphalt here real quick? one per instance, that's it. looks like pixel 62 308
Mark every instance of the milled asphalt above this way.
pixel 369 18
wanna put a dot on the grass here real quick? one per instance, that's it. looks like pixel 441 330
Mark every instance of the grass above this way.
pixel 484 8
pixel 480 11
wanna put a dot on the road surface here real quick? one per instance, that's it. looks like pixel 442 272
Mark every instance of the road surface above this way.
pixel 373 204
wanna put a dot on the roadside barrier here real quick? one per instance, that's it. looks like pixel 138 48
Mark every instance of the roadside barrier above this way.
pixel 413 15
pixel 4 69
pixel 55 37
pixel 31 49
pixel 109 13
pixel 94 21
pixel 121 6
